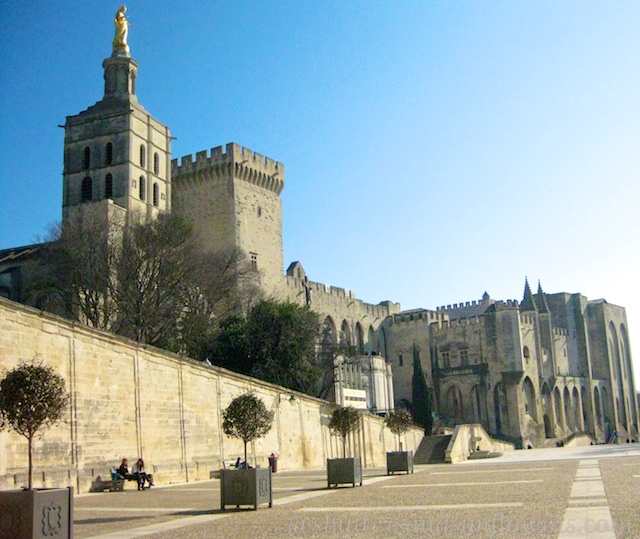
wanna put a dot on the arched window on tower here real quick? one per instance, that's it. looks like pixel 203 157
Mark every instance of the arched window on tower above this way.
pixel 86 158
pixel 155 194
pixel 108 154
pixel 156 163
pixel 108 186
pixel 143 185
pixel 86 191
pixel 143 156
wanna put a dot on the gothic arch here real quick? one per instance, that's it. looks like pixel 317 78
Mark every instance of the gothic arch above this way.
pixel 86 158
pixel 345 334
pixel 607 413
pixel 577 413
pixel 108 154
pixel 614 344
pixel 557 403
pixel 108 186
pixel 568 416
pixel 359 338
pixel 86 190
pixel 328 331
pixel 453 403
pixel 501 407
pixel 598 406
pixel 585 408
pixel 626 357
pixel 529 398
pixel 476 404
pixel 372 341
pixel 547 410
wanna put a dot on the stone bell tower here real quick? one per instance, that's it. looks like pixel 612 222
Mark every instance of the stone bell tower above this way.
pixel 117 157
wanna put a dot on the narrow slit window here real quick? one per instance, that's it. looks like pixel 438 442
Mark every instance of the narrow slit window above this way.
pixel 86 191
pixel 108 186
pixel 86 158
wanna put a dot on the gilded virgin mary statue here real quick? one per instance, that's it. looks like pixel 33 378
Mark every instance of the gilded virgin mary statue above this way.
pixel 122 31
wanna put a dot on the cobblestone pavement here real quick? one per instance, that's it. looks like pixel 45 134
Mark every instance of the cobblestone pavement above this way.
pixel 563 493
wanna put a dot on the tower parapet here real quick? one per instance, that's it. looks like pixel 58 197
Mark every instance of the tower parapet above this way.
pixel 467 309
pixel 240 162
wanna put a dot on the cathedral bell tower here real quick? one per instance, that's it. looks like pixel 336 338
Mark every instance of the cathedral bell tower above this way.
pixel 117 157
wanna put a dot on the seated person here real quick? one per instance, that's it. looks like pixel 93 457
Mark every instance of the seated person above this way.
pixel 141 475
pixel 123 471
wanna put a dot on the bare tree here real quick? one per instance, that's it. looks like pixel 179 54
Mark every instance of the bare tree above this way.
pixel 148 281
pixel 78 264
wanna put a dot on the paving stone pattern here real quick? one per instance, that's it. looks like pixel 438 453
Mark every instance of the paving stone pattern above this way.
pixel 560 493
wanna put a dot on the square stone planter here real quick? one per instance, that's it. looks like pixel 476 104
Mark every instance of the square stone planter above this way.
pixel 37 514
pixel 399 461
pixel 245 487
pixel 340 471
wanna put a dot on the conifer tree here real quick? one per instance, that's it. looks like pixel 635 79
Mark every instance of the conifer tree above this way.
pixel 421 399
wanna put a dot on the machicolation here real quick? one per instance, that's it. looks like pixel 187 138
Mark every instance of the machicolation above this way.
pixel 235 161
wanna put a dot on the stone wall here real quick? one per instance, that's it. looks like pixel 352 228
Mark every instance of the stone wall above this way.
pixel 129 401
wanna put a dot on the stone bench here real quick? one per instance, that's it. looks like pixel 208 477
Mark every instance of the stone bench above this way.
pixel 113 485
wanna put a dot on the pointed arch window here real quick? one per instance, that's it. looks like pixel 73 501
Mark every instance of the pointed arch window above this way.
pixel 156 163
pixel 86 190
pixel 143 156
pixel 142 188
pixel 86 158
pixel 108 154
pixel 155 194
pixel 108 186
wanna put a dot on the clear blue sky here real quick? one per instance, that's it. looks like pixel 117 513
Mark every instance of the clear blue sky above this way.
pixel 433 149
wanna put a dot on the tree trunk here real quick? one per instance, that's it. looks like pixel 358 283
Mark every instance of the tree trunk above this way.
pixel 399 442
pixel 344 447
pixel 246 462
pixel 30 439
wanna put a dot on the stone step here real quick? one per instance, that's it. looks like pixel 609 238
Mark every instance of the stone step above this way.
pixel 484 455
pixel 431 449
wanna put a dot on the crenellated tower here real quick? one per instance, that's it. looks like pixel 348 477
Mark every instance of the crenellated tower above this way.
pixel 232 198
pixel 117 157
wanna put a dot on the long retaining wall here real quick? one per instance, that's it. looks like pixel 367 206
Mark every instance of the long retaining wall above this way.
pixel 129 400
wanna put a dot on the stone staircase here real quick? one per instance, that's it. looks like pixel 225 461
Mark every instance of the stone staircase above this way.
pixel 431 449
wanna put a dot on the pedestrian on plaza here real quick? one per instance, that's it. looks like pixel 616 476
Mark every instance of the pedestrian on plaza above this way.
pixel 141 475
pixel 123 471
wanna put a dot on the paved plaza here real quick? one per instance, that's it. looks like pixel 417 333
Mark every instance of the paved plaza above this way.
pixel 561 493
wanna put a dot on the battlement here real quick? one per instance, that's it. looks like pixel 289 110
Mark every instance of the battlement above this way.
pixel 443 325
pixel 236 160
pixel 461 305
pixel 467 309
pixel 424 316
pixel 298 285
pixel 560 332
pixel 508 304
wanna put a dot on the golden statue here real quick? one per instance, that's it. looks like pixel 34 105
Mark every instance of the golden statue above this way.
pixel 122 30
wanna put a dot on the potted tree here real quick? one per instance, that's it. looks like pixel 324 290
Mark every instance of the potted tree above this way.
pixel 246 418
pixel 344 421
pixel 33 398
pixel 399 422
